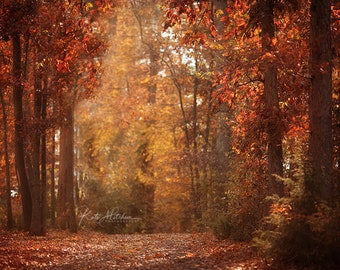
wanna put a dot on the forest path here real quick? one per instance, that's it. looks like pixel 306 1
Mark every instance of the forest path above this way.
pixel 92 250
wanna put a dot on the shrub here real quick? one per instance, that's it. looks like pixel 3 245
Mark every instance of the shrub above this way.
pixel 299 230
pixel 238 227
pixel 222 227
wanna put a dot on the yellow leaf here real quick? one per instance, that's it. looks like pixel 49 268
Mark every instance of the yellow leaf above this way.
pixel 146 80
pixel 88 6
pixel 219 12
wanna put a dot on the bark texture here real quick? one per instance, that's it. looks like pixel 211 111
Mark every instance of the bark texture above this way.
pixel 271 95
pixel 320 145
pixel 19 134
pixel 9 212
pixel 65 204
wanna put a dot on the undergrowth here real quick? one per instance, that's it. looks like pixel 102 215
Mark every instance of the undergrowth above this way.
pixel 300 230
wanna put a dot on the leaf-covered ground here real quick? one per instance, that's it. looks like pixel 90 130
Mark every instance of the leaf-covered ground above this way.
pixel 91 250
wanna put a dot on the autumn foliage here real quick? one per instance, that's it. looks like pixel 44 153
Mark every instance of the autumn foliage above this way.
pixel 173 116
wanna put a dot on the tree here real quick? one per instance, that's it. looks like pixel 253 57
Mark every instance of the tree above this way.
pixel 262 13
pixel 320 106
pixel 66 206
pixel 19 142
pixel 271 97
pixel 248 84
pixel 41 76
pixel 305 230
pixel 9 212
pixel 76 78
pixel 37 224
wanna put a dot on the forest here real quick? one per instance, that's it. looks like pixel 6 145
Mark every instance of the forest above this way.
pixel 170 134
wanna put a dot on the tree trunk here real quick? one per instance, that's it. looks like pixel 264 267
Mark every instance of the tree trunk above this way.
pixel 65 204
pixel 271 95
pixel 52 190
pixel 152 87
pixel 153 52
pixel 208 180
pixel 199 195
pixel 44 157
pixel 9 212
pixel 320 144
pixel 36 227
pixel 19 134
pixel 147 38
pixel 223 133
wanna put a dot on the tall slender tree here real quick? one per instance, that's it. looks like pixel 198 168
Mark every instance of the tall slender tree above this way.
pixel 9 212
pixel 65 204
pixel 320 105
pixel 36 226
pixel 271 96
pixel 19 133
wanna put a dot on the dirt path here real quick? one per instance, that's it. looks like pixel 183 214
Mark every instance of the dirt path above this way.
pixel 90 250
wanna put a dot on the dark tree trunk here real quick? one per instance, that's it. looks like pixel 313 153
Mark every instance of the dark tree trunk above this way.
pixel 19 134
pixel 65 205
pixel 36 227
pixel 9 212
pixel 271 95
pixel 52 190
pixel 208 180
pixel 44 156
pixel 320 144
pixel 199 194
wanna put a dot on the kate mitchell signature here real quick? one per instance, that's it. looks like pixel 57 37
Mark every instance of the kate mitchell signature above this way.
pixel 111 216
